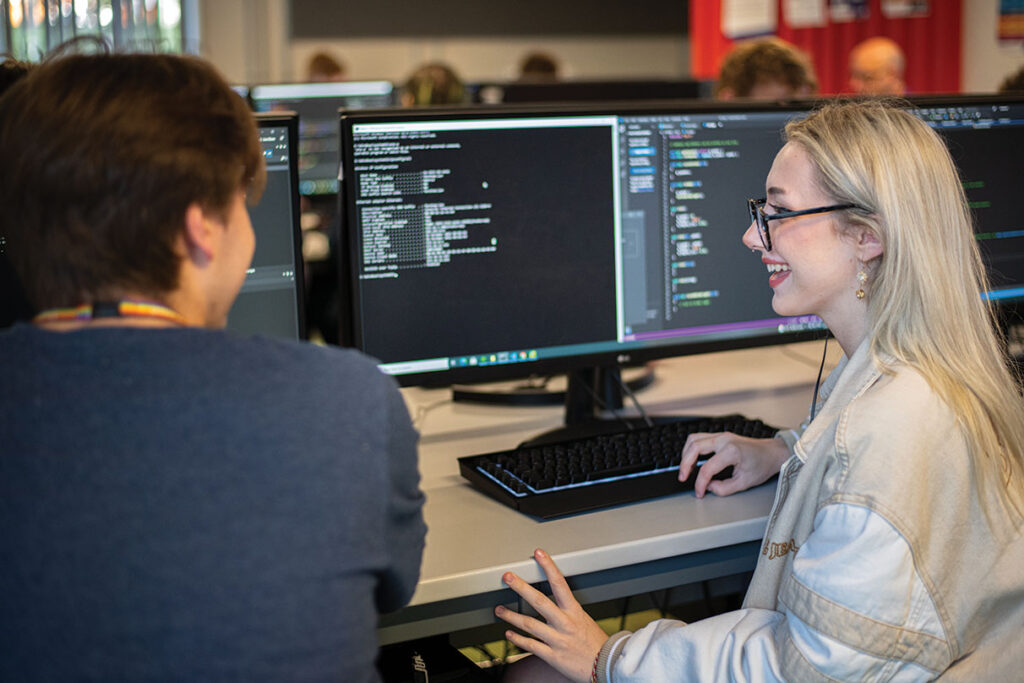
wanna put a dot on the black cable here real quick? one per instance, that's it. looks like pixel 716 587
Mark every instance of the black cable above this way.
pixel 817 382
pixel 632 397
pixel 705 590
pixel 604 406
pixel 662 604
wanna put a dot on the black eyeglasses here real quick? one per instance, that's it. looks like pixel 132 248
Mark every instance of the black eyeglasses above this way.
pixel 757 215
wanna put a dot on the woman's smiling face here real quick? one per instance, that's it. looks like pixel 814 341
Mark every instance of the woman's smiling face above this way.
pixel 812 266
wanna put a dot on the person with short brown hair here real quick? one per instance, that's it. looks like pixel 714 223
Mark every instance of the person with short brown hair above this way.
pixel 538 67
pixel 766 69
pixel 323 68
pixel 1013 83
pixel 179 502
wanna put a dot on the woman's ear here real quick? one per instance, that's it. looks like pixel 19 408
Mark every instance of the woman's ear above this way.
pixel 869 246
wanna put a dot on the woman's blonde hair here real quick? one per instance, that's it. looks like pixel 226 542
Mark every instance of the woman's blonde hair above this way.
pixel 925 306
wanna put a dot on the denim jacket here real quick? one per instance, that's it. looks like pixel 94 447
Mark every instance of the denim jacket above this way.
pixel 878 562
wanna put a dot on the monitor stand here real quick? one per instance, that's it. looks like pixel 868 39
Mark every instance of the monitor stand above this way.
pixel 591 393
pixel 546 391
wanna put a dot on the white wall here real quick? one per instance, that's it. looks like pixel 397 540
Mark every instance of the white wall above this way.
pixel 985 61
pixel 246 39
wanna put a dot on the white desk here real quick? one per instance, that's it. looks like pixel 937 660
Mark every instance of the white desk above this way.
pixel 610 553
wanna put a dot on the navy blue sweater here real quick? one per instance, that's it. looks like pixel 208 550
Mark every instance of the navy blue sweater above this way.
pixel 186 504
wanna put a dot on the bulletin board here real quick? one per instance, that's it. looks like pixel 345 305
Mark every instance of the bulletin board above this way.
pixel 928 32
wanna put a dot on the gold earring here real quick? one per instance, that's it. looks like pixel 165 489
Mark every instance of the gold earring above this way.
pixel 862 278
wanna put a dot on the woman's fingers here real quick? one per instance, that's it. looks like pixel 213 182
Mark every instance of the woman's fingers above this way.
pixel 697 444
pixel 533 597
pixel 559 587
pixel 567 638
pixel 524 622
pixel 726 456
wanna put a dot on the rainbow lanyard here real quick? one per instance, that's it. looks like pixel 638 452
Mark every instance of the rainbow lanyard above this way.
pixel 126 308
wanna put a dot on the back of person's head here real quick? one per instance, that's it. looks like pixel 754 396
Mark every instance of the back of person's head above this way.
pixel 323 68
pixel 767 68
pixel 538 67
pixel 1013 83
pixel 877 66
pixel 433 83
pixel 924 303
pixel 101 156
pixel 11 71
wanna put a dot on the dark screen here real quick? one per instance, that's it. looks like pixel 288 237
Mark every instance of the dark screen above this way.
pixel 985 140
pixel 271 299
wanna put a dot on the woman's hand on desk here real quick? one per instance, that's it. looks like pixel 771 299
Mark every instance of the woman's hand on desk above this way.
pixel 753 461
pixel 569 640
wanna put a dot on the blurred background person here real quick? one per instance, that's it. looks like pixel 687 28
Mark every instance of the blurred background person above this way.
pixel 431 84
pixel 538 67
pixel 324 68
pixel 766 69
pixel 877 66
pixel 1013 82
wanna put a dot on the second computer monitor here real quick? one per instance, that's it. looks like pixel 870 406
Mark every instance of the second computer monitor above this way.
pixel 272 299
pixel 317 105
pixel 985 136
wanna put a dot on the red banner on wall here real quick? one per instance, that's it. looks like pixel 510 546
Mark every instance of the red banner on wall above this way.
pixel 931 42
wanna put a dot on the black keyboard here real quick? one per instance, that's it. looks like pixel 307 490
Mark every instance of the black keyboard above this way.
pixel 565 477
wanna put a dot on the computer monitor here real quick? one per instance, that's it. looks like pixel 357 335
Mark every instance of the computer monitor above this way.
pixel 501 242
pixel 272 299
pixel 317 105
pixel 518 92
pixel 495 243
pixel 985 136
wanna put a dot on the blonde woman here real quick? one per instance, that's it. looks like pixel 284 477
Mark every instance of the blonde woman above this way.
pixel 894 550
